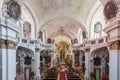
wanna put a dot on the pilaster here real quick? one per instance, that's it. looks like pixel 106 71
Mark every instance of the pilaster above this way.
pixel 113 31
pixel 1 2
pixel 87 63
pixel 8 60
pixel 37 53
pixel 8 43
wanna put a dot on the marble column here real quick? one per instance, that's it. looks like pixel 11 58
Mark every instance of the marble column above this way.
pixel 1 2
pixel 37 53
pixel 87 63
pixel 8 44
pixel 8 60
pixel 114 60
pixel 113 31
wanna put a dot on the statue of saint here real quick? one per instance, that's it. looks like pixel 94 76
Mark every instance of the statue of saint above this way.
pixel 62 55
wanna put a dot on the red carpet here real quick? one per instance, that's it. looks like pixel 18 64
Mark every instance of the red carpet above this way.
pixel 62 76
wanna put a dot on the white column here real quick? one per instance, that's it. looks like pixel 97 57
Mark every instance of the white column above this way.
pixel 113 31
pixel 11 53
pixel 8 50
pixel 87 65
pixel 3 64
pixel 7 61
pixel 1 2
pixel 114 64
pixel 37 60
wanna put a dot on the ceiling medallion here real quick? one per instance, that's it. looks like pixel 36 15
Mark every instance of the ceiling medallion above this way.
pixel 14 10
pixel 110 9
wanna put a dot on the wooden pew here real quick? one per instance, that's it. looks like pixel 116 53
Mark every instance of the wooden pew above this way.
pixel 50 79
pixel 74 79
pixel 73 76
pixel 50 76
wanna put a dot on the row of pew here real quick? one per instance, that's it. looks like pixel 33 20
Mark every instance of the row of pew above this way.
pixel 50 76
pixel 73 76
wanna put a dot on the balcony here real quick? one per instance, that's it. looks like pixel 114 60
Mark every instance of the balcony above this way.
pixel 9 30
pixel 91 43
pixel 31 43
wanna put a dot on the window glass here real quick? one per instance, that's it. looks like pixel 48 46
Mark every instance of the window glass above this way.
pixel 98 27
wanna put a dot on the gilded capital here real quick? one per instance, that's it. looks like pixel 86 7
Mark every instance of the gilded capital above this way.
pixel 10 44
pixel 37 49
pixel 115 45
pixel 2 43
pixel 87 50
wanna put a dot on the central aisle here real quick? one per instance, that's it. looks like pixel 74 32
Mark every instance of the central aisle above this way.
pixel 62 76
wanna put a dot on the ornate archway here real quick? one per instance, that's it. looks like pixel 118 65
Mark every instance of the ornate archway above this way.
pixel 24 59
pixel 100 62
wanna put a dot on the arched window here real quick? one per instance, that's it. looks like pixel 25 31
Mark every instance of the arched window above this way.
pixel 98 27
pixel 27 29
pixel 98 30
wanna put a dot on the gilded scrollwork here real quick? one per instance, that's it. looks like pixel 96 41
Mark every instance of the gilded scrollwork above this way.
pixel 10 44
pixel 7 44
pixel 37 49
pixel 87 50
pixel 2 43
pixel 115 45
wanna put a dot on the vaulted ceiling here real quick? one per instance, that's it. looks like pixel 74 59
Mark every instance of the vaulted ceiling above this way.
pixel 62 26
pixel 55 15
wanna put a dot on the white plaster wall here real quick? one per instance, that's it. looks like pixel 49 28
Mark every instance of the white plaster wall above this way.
pixel 95 15
pixel 27 16
pixel 11 33
pixel 33 14
pixel 98 16
pixel 3 29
